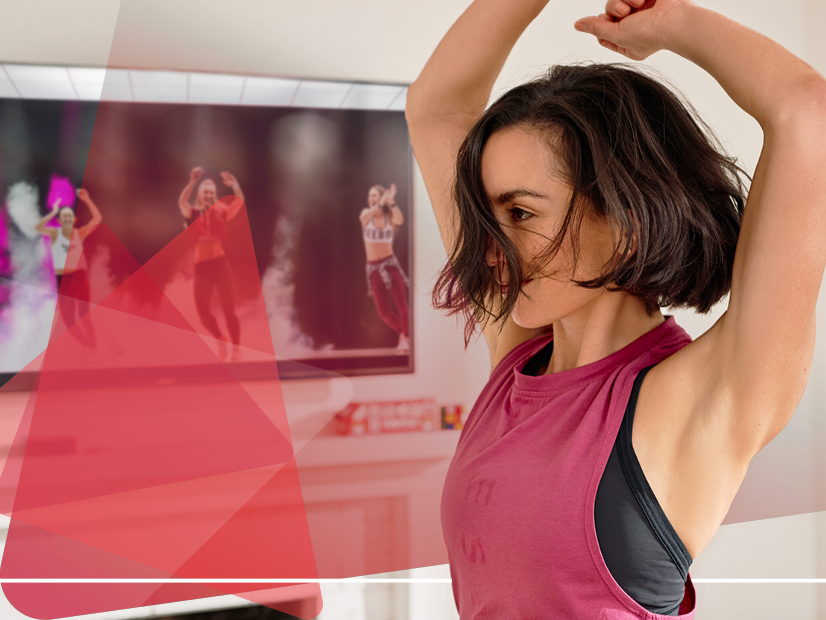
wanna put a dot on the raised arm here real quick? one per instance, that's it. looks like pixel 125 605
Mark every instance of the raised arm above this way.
pixel 756 359
pixel 186 193
pixel 446 100
pixel 396 218
pixel 83 196
pixel 231 182
pixel 389 199
pixel 367 214
pixel 40 227
pixel 453 91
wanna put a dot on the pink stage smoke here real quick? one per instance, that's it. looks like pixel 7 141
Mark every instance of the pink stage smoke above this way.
pixel 61 188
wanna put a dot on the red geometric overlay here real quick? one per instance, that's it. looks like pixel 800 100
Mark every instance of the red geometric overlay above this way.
pixel 115 473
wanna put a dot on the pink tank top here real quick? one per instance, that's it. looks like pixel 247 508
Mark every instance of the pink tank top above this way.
pixel 518 501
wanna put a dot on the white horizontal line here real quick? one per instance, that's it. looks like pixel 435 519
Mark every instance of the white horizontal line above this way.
pixel 348 580
pixel 205 581
pixel 758 580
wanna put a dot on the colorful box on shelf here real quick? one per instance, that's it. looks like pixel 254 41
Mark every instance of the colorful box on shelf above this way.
pixel 388 417
pixel 453 416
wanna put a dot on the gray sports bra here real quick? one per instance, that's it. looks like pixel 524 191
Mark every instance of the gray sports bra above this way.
pixel 373 234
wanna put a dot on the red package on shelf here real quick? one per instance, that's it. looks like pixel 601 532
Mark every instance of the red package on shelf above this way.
pixel 388 417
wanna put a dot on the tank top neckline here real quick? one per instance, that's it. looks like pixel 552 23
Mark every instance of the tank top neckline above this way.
pixel 570 379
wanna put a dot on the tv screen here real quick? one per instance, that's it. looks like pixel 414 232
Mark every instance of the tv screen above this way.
pixel 322 196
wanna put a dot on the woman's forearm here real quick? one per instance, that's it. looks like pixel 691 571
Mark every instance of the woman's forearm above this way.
pixel 367 214
pixel 237 202
pixel 397 217
pixel 40 227
pixel 460 74
pixel 183 199
pixel 766 80
pixel 97 218
pixel 186 192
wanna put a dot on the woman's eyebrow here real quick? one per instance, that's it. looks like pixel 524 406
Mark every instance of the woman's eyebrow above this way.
pixel 513 194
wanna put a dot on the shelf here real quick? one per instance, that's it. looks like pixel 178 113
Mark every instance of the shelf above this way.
pixel 381 448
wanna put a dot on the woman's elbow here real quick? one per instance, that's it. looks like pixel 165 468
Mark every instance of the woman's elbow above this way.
pixel 418 108
pixel 805 106
pixel 411 107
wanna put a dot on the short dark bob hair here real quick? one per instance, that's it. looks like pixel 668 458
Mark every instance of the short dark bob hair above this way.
pixel 634 153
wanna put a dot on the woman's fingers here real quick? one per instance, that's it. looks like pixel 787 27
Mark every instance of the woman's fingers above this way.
pixel 600 27
pixel 618 8
pixel 633 35
pixel 607 44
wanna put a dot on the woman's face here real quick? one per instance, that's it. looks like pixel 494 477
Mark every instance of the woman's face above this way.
pixel 373 197
pixel 66 217
pixel 530 200
pixel 207 193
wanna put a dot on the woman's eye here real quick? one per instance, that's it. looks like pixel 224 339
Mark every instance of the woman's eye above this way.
pixel 518 214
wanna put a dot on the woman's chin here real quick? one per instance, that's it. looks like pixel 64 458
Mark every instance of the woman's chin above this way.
pixel 530 318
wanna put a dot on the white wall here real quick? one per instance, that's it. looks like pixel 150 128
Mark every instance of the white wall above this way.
pixel 816 56
pixel 389 40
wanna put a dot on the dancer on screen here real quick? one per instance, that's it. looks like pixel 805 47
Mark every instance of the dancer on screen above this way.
pixel 206 221
pixel 385 278
pixel 67 241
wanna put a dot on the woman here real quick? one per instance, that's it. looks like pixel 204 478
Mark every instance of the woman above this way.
pixel 70 264
pixel 207 223
pixel 385 279
pixel 606 448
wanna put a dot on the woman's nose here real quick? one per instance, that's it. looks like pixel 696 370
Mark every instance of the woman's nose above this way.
pixel 493 255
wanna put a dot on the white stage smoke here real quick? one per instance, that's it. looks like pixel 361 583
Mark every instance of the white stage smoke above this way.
pixel 278 288
pixel 21 202
pixel 25 325
pixel 26 322
pixel 29 252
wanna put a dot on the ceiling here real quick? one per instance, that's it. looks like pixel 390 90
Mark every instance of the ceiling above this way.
pixel 91 83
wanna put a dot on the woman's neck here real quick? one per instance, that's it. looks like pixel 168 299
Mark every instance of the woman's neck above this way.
pixel 609 323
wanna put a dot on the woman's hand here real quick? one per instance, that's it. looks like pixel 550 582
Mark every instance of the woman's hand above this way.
pixel 195 174
pixel 389 196
pixel 83 195
pixel 634 28
pixel 229 180
pixel 55 208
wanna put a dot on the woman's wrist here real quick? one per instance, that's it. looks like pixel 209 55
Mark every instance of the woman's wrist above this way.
pixel 679 32
pixel 763 78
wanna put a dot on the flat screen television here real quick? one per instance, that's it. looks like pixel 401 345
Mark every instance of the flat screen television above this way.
pixel 307 176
